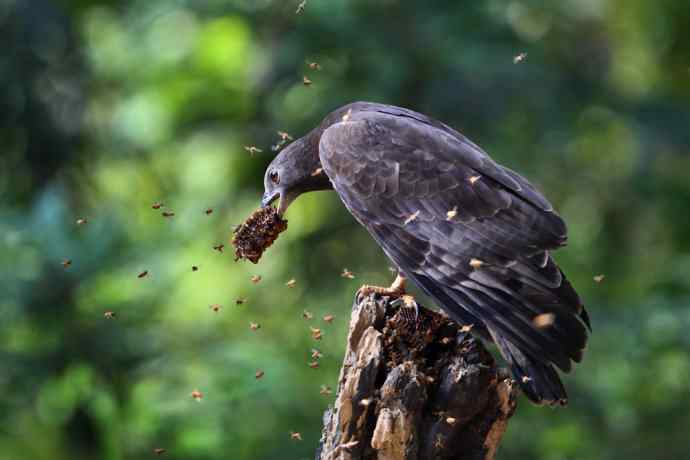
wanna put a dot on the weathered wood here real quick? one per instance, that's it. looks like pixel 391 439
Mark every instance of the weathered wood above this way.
pixel 414 389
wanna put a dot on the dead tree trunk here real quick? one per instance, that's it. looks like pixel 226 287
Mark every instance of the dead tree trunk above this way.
pixel 414 389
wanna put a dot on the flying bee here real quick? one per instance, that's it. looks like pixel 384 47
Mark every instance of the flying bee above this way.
pixel 252 149
pixel 519 58
pixel 301 6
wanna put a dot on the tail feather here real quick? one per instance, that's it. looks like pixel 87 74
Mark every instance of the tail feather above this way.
pixel 530 351
pixel 539 381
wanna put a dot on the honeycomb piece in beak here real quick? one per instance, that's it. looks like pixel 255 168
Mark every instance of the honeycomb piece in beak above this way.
pixel 257 233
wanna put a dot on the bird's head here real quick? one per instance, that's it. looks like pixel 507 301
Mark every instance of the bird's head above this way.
pixel 296 170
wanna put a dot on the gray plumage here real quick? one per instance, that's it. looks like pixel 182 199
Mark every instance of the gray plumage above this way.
pixel 472 234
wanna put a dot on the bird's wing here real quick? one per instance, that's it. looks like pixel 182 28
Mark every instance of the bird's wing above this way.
pixel 474 235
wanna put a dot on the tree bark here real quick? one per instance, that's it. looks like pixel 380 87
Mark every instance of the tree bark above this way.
pixel 414 388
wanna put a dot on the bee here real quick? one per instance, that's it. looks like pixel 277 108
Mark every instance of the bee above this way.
pixel 159 451
pixel 412 217
pixel 314 364
pixel 255 279
pixel 259 373
pixel 519 58
pixel 599 278
pixel 325 390
pixel 329 318
pixel 219 247
pixel 306 81
pixel 452 213
pixel 284 136
pixel 209 211
pixel 82 221
pixel 476 263
pixel 252 149
pixel 315 66
pixel 254 326
pixel 215 307
pixel 306 314
pixel 143 274
pixel 67 263
pixel 316 333
pixel 109 315
pixel 544 320
pixel 197 395
pixel 301 6
pixel 292 283
pixel 168 214
pixel 195 268
pixel 347 274
pixel 295 436
pixel 157 205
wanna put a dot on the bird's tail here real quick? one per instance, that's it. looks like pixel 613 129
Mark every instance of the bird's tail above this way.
pixel 539 381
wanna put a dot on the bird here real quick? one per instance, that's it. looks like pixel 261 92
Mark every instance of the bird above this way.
pixel 473 235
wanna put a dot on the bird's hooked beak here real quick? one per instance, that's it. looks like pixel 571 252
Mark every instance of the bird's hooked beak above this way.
pixel 285 199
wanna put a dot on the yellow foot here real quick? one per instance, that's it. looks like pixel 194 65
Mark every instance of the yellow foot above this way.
pixel 395 290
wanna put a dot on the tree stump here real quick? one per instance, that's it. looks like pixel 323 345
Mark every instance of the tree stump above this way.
pixel 414 388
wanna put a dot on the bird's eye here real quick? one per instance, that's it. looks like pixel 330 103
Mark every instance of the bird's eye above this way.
pixel 275 178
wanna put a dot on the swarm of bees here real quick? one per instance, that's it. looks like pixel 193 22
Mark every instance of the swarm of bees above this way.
pixel 257 233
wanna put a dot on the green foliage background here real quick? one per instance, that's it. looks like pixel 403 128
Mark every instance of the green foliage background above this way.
pixel 109 106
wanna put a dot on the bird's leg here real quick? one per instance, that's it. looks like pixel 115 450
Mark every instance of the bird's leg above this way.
pixel 395 291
